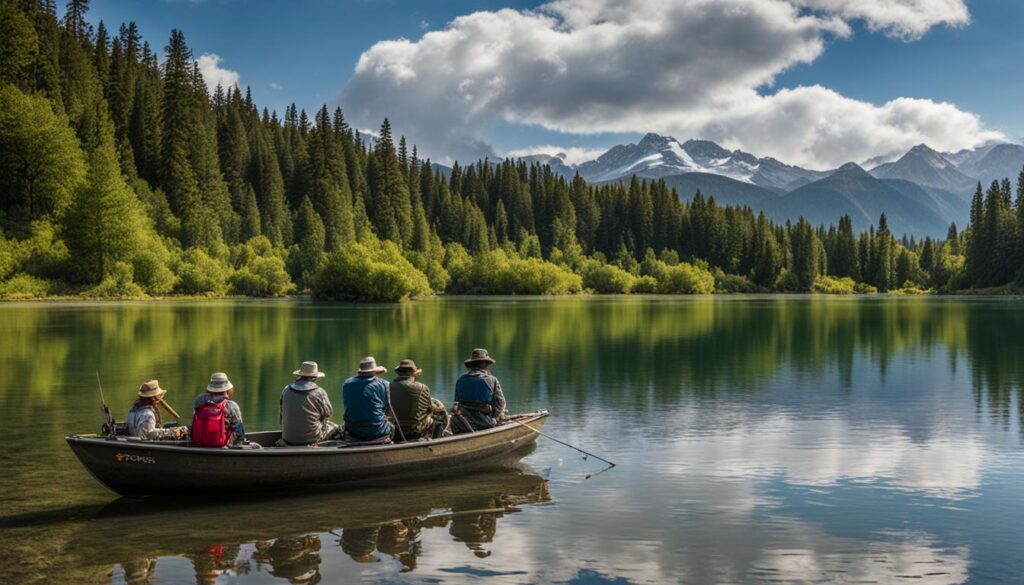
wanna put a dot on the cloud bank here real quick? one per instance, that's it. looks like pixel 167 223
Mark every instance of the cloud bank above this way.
pixel 213 73
pixel 690 68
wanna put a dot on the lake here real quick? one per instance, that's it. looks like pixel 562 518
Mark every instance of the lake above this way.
pixel 758 439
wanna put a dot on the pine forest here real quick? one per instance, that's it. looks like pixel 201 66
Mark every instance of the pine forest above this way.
pixel 122 175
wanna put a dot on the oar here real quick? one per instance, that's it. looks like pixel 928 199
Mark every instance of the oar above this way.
pixel 170 409
pixel 560 442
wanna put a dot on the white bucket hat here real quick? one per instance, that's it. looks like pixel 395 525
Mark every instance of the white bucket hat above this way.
pixel 219 383
pixel 309 370
pixel 368 365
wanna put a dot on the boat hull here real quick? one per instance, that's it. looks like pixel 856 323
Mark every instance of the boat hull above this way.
pixel 143 468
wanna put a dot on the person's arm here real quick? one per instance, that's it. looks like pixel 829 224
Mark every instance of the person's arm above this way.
pixel 234 414
pixel 498 400
pixel 425 404
pixel 149 430
pixel 325 404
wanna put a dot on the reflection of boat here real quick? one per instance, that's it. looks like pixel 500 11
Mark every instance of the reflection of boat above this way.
pixel 133 467
pixel 288 534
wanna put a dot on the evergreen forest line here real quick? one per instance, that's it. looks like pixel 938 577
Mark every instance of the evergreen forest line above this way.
pixel 122 175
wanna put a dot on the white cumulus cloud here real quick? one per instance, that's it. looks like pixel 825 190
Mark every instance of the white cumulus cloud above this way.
pixel 907 19
pixel 213 73
pixel 690 68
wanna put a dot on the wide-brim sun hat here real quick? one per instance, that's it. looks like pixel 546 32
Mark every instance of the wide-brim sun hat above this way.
pixel 408 367
pixel 219 383
pixel 479 356
pixel 368 365
pixel 151 389
pixel 309 370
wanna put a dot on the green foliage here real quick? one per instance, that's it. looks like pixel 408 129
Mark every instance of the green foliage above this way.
pixel 19 44
pixel 501 272
pixel 118 283
pixel 606 278
pixel 645 285
pixel 864 289
pixel 259 271
pixel 685 278
pixel 23 286
pixel 200 274
pixel 369 272
pixel 41 164
pixel 829 285
pixel 733 283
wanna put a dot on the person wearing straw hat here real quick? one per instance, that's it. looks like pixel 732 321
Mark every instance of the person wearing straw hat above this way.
pixel 413 406
pixel 144 416
pixel 478 396
pixel 306 410
pixel 216 402
pixel 367 403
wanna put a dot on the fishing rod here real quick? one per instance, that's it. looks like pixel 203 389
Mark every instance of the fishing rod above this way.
pixel 108 427
pixel 560 442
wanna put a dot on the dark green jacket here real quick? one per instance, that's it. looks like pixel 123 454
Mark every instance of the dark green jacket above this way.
pixel 411 401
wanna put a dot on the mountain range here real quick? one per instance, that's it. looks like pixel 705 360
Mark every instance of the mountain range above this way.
pixel 921 192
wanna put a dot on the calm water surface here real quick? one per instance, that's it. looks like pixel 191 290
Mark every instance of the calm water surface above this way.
pixel 759 439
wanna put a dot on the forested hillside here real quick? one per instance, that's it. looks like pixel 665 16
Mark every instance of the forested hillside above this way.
pixel 123 175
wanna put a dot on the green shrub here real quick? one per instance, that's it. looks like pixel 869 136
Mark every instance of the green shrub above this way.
pixel 23 286
pixel 685 278
pixel 645 285
pixel 9 257
pixel 733 283
pixel 909 289
pixel 150 267
pixel 787 282
pixel 828 285
pixel 369 272
pixel 864 288
pixel 605 278
pixel 200 274
pixel 262 277
pixel 117 284
pixel 501 272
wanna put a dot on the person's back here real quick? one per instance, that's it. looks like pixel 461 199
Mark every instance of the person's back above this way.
pixel 217 419
pixel 478 393
pixel 412 404
pixel 366 402
pixel 305 409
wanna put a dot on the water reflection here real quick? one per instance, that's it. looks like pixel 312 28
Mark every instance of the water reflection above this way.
pixel 758 439
pixel 301 530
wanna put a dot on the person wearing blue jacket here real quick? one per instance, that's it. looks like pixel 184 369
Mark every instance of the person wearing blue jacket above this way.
pixel 478 394
pixel 367 403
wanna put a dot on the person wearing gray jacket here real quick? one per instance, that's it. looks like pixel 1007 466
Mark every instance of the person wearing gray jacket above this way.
pixel 306 410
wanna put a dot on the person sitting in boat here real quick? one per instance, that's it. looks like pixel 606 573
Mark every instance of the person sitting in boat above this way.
pixel 479 400
pixel 305 409
pixel 367 403
pixel 418 414
pixel 144 416
pixel 216 418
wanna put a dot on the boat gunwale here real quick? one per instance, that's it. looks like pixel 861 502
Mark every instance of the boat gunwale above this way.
pixel 99 440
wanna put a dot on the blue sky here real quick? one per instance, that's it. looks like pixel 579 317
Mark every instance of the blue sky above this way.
pixel 306 52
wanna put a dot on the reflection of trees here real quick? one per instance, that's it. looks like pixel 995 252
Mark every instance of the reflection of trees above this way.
pixel 640 353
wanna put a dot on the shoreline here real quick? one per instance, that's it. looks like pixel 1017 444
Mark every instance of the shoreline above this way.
pixel 1000 292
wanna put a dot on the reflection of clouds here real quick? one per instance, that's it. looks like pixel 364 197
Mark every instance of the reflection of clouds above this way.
pixel 917 558
pixel 824 451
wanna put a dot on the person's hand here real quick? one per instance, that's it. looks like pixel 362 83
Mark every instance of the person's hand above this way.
pixel 179 432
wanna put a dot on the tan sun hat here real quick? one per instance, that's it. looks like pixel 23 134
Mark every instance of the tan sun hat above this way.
pixel 368 365
pixel 151 389
pixel 309 370
pixel 407 367
pixel 479 355
pixel 219 383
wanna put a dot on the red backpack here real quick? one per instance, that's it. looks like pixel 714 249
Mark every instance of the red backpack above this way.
pixel 210 425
